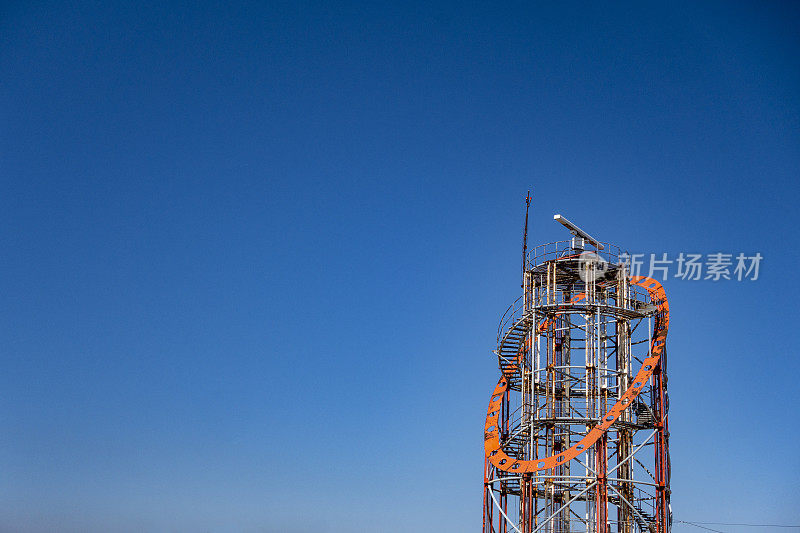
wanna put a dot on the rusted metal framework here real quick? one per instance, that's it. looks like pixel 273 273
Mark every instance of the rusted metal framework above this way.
pixel 576 434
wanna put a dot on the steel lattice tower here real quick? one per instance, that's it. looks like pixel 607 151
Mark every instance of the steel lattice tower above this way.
pixel 576 434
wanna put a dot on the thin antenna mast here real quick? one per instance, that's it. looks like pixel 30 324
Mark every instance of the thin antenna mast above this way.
pixel 525 235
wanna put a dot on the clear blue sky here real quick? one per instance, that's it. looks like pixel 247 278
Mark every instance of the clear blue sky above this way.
pixel 255 255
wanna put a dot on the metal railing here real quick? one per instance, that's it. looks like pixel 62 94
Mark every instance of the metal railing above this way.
pixel 559 249
pixel 509 318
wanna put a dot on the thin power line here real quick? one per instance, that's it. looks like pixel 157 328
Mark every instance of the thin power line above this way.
pixel 698 524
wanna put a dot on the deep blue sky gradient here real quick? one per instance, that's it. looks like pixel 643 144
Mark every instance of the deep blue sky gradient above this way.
pixel 255 255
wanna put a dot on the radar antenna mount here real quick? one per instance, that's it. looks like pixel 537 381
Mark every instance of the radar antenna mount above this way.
pixel 579 237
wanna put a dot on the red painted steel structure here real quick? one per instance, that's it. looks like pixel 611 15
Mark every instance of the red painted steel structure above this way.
pixel 568 420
